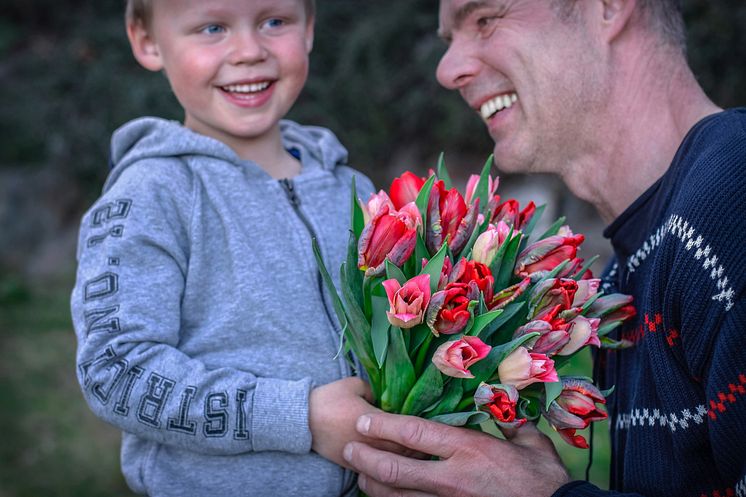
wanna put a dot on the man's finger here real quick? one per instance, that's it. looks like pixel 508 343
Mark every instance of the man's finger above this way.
pixel 391 470
pixel 416 433
pixel 375 488
pixel 527 435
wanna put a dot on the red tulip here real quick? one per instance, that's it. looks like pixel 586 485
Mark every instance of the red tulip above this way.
pixel 448 216
pixel 405 189
pixel 575 409
pixel 471 271
pixel 500 401
pixel 449 312
pixel 390 234
pixel 510 213
pixel 545 255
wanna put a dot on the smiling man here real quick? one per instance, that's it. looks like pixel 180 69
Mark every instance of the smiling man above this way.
pixel 599 92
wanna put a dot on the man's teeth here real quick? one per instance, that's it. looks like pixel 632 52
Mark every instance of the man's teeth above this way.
pixel 500 102
pixel 251 88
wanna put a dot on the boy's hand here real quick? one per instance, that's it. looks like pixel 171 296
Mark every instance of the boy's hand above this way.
pixel 333 411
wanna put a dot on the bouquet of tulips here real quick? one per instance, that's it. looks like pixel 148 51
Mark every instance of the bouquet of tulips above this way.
pixel 459 313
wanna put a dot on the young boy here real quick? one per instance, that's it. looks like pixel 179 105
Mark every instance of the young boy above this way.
pixel 203 329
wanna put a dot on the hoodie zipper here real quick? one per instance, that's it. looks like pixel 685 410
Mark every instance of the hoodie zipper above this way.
pixel 348 480
pixel 289 187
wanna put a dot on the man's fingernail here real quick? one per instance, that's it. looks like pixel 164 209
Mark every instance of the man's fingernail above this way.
pixel 347 452
pixel 363 424
pixel 362 481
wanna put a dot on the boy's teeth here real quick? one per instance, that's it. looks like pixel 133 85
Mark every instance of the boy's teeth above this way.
pixel 496 104
pixel 250 88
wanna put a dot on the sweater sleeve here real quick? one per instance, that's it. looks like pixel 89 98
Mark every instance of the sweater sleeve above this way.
pixel 126 306
pixel 585 489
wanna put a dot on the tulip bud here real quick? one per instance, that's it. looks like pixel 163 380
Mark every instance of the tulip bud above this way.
pixel 488 243
pixel 575 409
pixel 550 339
pixel 390 234
pixel 582 332
pixel 521 368
pixel 405 189
pixel 508 295
pixel 448 217
pixel 501 402
pixel 544 255
pixel 449 309
pixel 407 303
pixel 454 358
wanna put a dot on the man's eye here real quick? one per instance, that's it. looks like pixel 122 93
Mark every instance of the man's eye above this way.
pixel 213 29
pixel 484 22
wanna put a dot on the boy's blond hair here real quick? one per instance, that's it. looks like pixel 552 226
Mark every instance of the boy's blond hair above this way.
pixel 139 10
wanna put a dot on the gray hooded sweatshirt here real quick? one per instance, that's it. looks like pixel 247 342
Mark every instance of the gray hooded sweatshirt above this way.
pixel 201 321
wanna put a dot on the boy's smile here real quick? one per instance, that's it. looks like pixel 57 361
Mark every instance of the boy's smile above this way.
pixel 236 66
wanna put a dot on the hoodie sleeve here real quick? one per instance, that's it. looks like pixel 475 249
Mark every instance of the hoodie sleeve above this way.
pixel 126 305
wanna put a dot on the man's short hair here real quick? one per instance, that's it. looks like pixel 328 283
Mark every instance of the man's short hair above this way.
pixel 140 10
pixel 662 16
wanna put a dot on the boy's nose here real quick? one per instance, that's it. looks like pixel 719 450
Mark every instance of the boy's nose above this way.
pixel 247 48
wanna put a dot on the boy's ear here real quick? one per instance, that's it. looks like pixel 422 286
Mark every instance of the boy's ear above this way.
pixel 144 47
pixel 309 33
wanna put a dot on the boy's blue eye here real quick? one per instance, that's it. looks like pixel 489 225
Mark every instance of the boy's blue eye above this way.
pixel 213 29
pixel 274 23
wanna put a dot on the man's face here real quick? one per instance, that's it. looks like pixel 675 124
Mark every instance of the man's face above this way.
pixel 531 76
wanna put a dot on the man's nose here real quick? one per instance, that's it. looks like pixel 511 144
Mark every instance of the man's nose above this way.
pixel 457 67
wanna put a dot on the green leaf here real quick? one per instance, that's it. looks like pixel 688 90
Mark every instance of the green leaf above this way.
pixel 424 197
pixel 554 228
pixel 426 391
pixel 419 335
pixel 442 172
pixel 435 266
pixel 462 418
pixel 553 390
pixel 608 391
pixel 450 399
pixel 336 300
pixel 481 321
pixel 605 329
pixel 502 279
pixel 354 276
pixel 399 373
pixel 393 272
pixel 509 311
pixel 379 330
pixel 420 252
pixel 482 192
pixel 357 222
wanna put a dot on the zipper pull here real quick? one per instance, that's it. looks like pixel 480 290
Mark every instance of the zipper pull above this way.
pixel 289 187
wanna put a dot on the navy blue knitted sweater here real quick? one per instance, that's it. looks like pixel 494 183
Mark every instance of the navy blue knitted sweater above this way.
pixel 678 414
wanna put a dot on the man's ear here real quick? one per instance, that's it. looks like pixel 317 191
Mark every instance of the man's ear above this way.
pixel 144 47
pixel 615 16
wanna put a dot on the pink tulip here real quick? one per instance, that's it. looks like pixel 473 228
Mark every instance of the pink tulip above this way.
pixel 501 402
pixel 405 189
pixel 473 182
pixel 586 289
pixel 522 368
pixel 575 409
pixel 582 331
pixel 454 358
pixel 549 340
pixel 545 255
pixel 487 244
pixel 374 204
pixel 408 303
pixel 390 234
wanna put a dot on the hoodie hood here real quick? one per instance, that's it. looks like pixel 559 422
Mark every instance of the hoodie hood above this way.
pixel 153 138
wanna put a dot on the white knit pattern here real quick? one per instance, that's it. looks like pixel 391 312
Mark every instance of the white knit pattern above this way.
pixel 683 231
pixel 640 418
pixel 741 487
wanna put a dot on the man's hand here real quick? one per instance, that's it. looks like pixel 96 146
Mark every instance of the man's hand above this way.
pixel 471 463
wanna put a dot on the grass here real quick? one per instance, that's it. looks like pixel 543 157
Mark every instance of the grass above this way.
pixel 54 446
